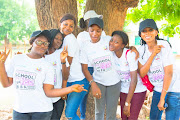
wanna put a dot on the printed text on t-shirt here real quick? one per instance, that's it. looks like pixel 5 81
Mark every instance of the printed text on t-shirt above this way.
pixel 25 80
pixel 103 64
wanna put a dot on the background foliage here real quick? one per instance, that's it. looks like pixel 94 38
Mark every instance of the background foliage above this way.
pixel 18 19
pixel 168 10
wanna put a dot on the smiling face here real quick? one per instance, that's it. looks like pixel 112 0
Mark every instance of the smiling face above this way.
pixel 116 43
pixel 57 41
pixel 67 27
pixel 149 35
pixel 40 49
pixel 95 33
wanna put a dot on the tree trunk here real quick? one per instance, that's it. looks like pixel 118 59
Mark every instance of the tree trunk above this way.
pixel 113 11
pixel 49 12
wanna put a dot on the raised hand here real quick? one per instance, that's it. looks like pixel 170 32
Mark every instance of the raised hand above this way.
pixel 4 55
pixel 133 49
pixel 157 49
pixel 64 54
pixel 78 88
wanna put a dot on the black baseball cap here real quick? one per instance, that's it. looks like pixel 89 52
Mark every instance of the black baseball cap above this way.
pixel 96 21
pixel 45 33
pixel 147 23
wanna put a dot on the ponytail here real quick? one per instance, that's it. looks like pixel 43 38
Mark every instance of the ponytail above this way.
pixel 82 23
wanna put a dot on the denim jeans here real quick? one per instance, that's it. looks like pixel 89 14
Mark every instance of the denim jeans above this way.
pixel 32 116
pixel 155 113
pixel 57 109
pixel 74 99
pixel 84 101
pixel 173 109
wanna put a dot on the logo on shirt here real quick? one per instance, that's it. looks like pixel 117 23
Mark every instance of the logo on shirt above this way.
pixel 25 80
pixel 126 63
pixel 54 63
pixel 105 48
pixel 38 69
pixel 157 57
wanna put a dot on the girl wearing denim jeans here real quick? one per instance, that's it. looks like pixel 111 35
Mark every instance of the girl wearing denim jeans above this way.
pixel 133 92
pixel 33 80
pixel 67 24
pixel 157 60
pixel 105 82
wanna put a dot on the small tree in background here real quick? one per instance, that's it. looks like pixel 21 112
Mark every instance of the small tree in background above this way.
pixel 18 19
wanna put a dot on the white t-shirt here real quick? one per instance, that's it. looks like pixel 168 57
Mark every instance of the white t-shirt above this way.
pixel 29 75
pixel 54 60
pixel 162 59
pixel 101 58
pixel 124 67
pixel 84 36
pixel 73 51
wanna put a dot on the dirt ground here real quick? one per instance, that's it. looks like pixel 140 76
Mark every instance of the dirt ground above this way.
pixel 6 105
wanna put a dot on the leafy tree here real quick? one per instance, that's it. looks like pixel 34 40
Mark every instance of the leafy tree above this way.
pixel 158 10
pixel 18 19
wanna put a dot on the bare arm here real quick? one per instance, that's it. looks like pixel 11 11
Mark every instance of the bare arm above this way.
pixel 69 59
pixel 95 89
pixel 132 88
pixel 143 69
pixel 4 79
pixel 168 73
pixel 51 92
pixel 133 49
pixel 63 56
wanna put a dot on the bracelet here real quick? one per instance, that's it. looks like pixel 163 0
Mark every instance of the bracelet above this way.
pixel 164 90
pixel 63 62
pixel 2 61
pixel 91 81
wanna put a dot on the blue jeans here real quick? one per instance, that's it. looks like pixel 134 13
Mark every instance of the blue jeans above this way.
pixel 173 109
pixel 155 113
pixel 32 116
pixel 57 109
pixel 84 101
pixel 74 99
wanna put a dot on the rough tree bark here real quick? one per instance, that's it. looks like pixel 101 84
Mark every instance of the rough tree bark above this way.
pixel 113 11
pixel 49 12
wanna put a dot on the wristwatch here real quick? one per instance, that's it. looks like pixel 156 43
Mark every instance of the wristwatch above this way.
pixel 127 104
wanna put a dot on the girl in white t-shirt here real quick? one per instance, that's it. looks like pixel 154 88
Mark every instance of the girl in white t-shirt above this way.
pixel 133 92
pixel 156 60
pixel 67 24
pixel 33 80
pixel 81 38
pixel 105 82
pixel 60 67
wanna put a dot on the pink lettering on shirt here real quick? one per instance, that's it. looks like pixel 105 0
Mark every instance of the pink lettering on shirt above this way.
pixel 25 80
pixel 103 64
